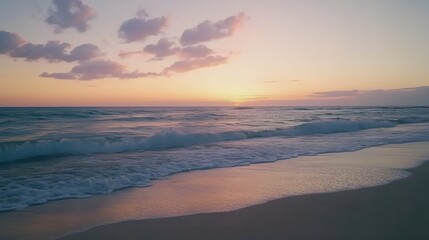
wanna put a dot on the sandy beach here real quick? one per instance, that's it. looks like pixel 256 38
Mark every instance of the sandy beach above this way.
pixel 398 210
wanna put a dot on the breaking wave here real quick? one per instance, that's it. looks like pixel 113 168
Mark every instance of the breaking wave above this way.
pixel 11 151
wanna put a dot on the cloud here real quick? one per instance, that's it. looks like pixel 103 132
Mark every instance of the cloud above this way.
pixel 335 94
pixel 162 48
pixel 125 54
pixel 198 51
pixel 195 63
pixel 70 14
pixel 418 96
pixel 98 69
pixel 139 28
pixel 207 30
pixel 14 46
pixel 9 42
pixel 56 51
pixel 67 76
pixel 52 51
pixel 83 52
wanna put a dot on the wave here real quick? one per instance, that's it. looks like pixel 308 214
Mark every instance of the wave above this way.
pixel 12 151
pixel 70 113
pixel 413 119
pixel 78 176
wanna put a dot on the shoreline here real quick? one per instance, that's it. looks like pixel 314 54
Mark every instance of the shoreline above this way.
pixel 397 210
pixel 217 191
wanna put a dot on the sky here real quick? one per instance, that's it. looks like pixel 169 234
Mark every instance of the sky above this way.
pixel 223 52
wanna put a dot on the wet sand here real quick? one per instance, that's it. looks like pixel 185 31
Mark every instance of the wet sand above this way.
pixel 399 210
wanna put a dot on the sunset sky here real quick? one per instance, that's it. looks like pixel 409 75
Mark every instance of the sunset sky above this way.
pixel 198 52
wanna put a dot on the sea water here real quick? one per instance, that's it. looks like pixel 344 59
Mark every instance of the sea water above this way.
pixel 48 154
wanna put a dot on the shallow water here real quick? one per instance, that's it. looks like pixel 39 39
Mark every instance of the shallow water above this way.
pixel 218 190
pixel 48 154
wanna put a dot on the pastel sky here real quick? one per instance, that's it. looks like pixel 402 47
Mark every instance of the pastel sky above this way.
pixel 223 52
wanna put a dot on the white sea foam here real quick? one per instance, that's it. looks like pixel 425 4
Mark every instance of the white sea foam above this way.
pixel 170 139
pixel 54 153
pixel 36 182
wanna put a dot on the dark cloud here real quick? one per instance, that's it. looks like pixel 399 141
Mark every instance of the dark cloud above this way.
pixel 98 69
pixel 198 51
pixel 9 42
pixel 195 63
pixel 56 51
pixel 52 51
pixel 12 45
pixel 70 14
pixel 139 28
pixel 208 30
pixel 162 48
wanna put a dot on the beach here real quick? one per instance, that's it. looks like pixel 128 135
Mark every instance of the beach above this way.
pixel 301 198
pixel 398 210
pixel 191 120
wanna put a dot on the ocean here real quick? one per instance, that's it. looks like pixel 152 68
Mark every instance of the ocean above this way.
pixel 48 154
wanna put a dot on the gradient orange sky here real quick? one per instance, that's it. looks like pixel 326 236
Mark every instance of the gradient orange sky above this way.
pixel 262 52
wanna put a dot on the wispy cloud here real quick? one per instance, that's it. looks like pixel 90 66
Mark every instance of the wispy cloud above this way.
pixel 139 28
pixel 195 57
pixel 54 51
pixel 125 54
pixel 98 69
pixel 164 48
pixel 208 30
pixel 65 14
pixel 336 94
pixel 196 63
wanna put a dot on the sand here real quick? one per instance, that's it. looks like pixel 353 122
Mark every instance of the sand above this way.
pixel 399 210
